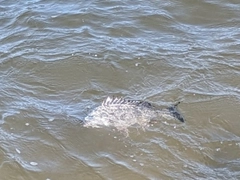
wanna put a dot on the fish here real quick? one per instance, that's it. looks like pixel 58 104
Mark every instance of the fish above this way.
pixel 122 113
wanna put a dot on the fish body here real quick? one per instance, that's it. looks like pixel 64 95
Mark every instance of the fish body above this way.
pixel 122 113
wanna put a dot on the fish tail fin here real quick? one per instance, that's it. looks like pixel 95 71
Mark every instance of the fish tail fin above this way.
pixel 175 113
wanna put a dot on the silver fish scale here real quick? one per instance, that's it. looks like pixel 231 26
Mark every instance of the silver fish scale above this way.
pixel 122 113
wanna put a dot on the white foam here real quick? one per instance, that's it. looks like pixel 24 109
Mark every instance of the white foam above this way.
pixel 34 163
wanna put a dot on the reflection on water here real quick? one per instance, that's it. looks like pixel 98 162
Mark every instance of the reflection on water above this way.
pixel 59 60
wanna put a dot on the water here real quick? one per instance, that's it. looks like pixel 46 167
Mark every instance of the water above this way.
pixel 59 60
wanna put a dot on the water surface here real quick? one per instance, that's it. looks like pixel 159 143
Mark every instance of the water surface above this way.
pixel 59 60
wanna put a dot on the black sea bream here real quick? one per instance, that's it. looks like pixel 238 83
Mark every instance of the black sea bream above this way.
pixel 122 113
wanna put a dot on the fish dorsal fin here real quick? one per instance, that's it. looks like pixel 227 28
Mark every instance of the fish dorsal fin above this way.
pixel 117 101
pixel 112 101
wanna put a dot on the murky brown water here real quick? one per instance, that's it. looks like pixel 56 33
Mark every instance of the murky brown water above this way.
pixel 60 59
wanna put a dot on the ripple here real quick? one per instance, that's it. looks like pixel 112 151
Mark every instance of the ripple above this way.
pixel 58 60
